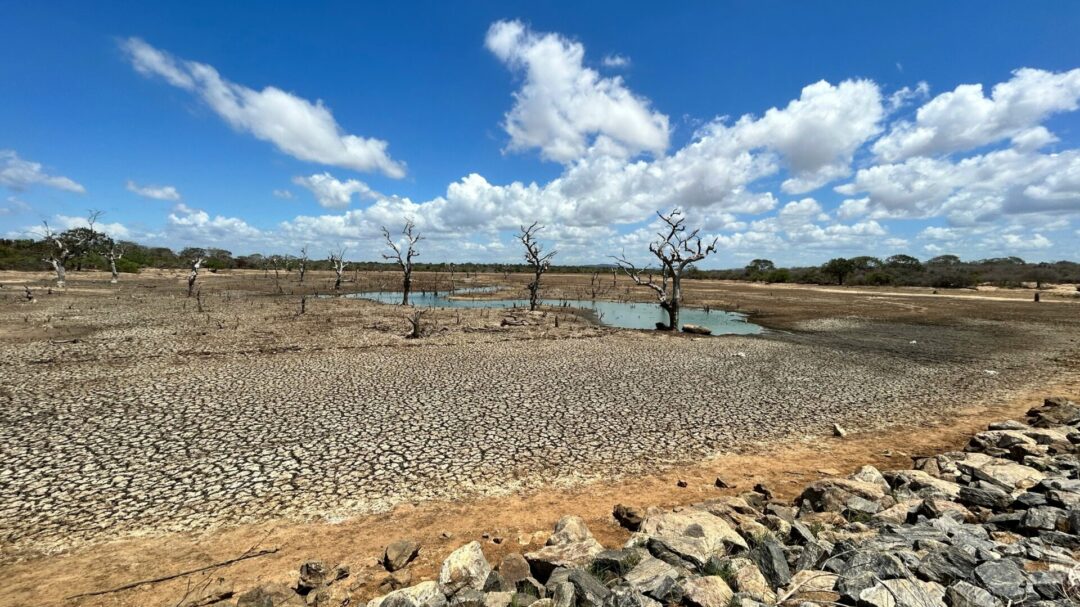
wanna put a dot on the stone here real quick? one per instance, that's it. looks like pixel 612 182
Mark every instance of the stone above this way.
pixel 313 574
pixel 747 579
pixel 923 484
pixel 652 577
pixel 1042 517
pixel 466 567
pixel 625 596
pixel 498 599
pixel 692 535
pixel 883 565
pixel 424 594
pixel 903 593
pixel 399 554
pixel 496 583
pixel 1049 585
pixel 568 530
pixel 707 591
pixel 562 595
pixel 588 591
pixel 531 586
pixel 722 484
pixel 986 496
pixel 270 595
pixel 615 563
pixel 696 329
pixel 468 598
pixel 813 555
pixel 628 517
pixel 1003 579
pixel 850 585
pixel 946 565
pixel 771 560
pixel 963 594
pixel 838 431
pixel 811 580
pixel 870 474
pixel 522 599
pixel 513 568
pixel 937 507
pixel 574 554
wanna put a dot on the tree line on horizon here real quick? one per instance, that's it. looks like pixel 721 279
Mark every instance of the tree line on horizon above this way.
pixel 943 271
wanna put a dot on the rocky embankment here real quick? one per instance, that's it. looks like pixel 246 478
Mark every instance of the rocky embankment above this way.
pixel 993 526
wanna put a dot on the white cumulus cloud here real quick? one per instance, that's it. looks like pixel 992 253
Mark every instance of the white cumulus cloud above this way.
pixel 332 193
pixel 563 108
pixel 167 192
pixel 302 129
pixel 19 174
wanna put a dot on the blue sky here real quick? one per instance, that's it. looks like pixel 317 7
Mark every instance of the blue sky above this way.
pixel 793 131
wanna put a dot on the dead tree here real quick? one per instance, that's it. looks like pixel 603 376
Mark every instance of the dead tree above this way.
pixel 404 258
pixel 337 262
pixel 675 249
pixel 303 263
pixel 535 256
pixel 68 245
pixel 196 263
pixel 416 330
pixel 113 252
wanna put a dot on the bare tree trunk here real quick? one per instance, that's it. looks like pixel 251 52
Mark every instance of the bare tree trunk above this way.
pixel 61 271
pixel 112 268
pixel 406 286
pixel 303 269
pixel 195 263
pixel 337 282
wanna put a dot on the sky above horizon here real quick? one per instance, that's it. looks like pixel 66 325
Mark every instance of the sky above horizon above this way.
pixel 795 132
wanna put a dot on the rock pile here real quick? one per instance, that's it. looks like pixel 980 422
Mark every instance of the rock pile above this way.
pixel 993 526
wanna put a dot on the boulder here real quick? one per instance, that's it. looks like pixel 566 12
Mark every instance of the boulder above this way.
pixel 707 591
pixel 588 591
pixel 468 598
pixel 466 567
pixel 1004 579
pixel 574 554
pixel 313 574
pixel 903 593
pixel 513 568
pixel 653 577
pixel 568 530
pixel 747 579
pixel 696 329
pixel 691 535
pixel 771 560
pixel 270 595
pixel 625 596
pixel 424 594
pixel 628 516
pixel 399 554
pixel 946 565
pixel 963 594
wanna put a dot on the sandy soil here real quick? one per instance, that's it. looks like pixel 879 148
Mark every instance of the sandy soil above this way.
pixel 76 337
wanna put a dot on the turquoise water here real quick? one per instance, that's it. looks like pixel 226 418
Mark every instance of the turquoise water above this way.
pixel 625 315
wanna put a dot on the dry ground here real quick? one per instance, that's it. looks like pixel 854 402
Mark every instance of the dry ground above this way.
pixel 141 435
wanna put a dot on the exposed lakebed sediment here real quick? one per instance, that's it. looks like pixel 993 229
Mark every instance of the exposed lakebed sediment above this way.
pixel 147 426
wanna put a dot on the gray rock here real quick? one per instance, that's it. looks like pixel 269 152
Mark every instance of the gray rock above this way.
pixel 628 516
pixel 562 594
pixel 271 595
pixel 569 555
pixel 963 594
pixel 851 585
pixel 627 596
pixel 985 496
pixel 313 574
pixel 813 555
pixel 615 563
pixel 529 585
pixel 653 577
pixel 1049 584
pixel 707 591
pixel 1042 517
pixel 468 598
pixel 1004 579
pixel 399 554
pixel 903 593
pixel 466 567
pixel 769 556
pixel 884 566
pixel 588 591
pixel 569 530
pixel 947 565
pixel 513 568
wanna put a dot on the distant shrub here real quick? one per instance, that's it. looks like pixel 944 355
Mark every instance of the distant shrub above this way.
pixel 126 266
pixel 781 275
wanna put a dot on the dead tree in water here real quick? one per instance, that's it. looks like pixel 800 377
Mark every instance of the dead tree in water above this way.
pixel 404 259
pixel 337 261
pixel 196 263
pixel 676 249
pixel 535 256
pixel 303 263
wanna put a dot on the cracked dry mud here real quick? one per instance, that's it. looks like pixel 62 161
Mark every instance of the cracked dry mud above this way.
pixel 159 418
